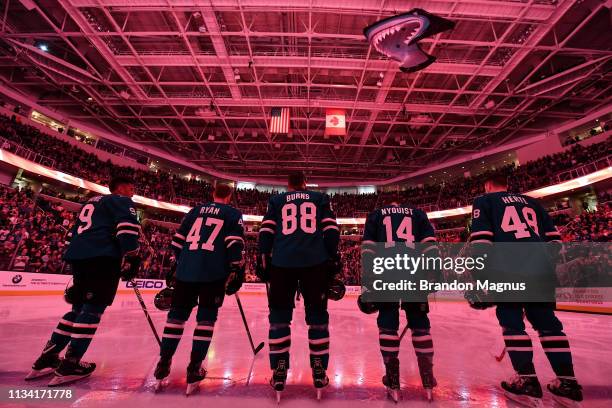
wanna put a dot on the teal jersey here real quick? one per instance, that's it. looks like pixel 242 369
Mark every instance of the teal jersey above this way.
pixel 210 237
pixel 299 229
pixel 106 226
pixel 507 217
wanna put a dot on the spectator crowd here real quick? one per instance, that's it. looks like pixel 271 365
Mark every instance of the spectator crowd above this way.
pixel 32 231
pixel 162 185
pixel 32 228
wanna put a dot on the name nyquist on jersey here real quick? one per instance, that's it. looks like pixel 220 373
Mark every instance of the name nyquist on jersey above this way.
pixel 106 226
pixel 299 229
pixel 211 236
pixel 397 223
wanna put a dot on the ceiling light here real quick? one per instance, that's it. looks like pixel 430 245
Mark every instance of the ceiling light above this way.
pixel 43 47
pixel 211 137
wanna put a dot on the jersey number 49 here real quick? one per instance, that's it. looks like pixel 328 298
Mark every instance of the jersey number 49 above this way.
pixel 512 222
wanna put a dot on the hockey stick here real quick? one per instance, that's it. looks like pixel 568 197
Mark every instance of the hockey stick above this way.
pixel 403 333
pixel 246 326
pixel 145 311
pixel 501 355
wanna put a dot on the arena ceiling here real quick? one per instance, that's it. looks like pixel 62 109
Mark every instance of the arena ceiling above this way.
pixel 199 78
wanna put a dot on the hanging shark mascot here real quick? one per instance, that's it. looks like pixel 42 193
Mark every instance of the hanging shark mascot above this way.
pixel 398 37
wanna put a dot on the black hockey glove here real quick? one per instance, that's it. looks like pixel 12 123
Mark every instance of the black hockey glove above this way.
pixel 71 296
pixel 336 289
pixel 235 278
pixel 366 307
pixel 163 299
pixel 130 266
pixel 477 299
pixel 262 269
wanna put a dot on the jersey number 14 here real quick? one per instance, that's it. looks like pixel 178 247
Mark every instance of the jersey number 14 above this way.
pixel 403 232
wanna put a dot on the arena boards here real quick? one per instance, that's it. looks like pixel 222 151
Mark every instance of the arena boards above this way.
pixel 41 284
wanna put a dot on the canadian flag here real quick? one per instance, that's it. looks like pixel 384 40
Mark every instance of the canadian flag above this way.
pixel 335 122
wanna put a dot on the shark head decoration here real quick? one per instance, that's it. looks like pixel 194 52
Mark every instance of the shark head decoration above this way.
pixel 398 37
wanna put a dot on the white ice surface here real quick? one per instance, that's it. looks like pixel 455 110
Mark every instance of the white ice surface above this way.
pixel 125 350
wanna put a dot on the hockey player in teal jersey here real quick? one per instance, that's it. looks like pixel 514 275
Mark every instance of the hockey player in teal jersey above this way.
pixel 209 248
pixel 500 216
pixel 298 246
pixel 104 235
pixel 398 223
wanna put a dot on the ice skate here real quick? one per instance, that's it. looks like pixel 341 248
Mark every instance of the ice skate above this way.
pixel 319 377
pixel 428 386
pixel 70 371
pixel 44 365
pixel 429 382
pixel 195 375
pixel 162 371
pixel 279 377
pixel 566 393
pixel 391 379
pixel 524 390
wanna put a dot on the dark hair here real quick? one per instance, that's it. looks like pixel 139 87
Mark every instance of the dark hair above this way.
pixel 500 180
pixel 391 199
pixel 119 181
pixel 296 180
pixel 222 190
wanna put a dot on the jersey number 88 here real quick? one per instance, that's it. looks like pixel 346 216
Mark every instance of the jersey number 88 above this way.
pixel 307 218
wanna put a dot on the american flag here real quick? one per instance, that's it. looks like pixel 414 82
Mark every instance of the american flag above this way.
pixel 279 122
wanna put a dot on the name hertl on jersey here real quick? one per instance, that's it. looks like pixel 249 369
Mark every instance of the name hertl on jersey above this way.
pixel 507 217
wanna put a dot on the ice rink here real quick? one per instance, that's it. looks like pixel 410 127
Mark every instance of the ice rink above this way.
pixel 125 351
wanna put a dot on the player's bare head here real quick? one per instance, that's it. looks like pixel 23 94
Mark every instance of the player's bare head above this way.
pixel 391 199
pixel 122 185
pixel 496 182
pixel 222 193
pixel 296 181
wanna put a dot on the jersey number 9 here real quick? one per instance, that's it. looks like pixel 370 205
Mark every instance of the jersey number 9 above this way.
pixel 85 217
